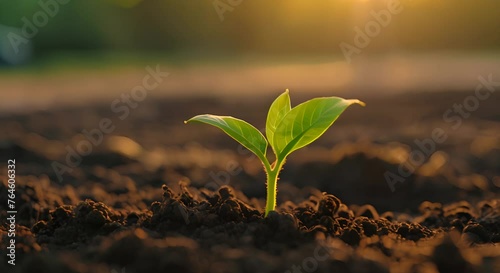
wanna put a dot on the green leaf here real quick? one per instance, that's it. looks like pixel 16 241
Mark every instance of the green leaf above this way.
pixel 307 122
pixel 239 130
pixel 279 108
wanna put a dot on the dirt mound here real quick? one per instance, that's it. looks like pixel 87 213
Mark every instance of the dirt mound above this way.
pixel 205 231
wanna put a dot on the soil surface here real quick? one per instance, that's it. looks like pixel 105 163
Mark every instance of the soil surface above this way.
pixel 155 195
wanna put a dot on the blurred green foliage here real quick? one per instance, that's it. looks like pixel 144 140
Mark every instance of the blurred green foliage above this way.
pixel 258 26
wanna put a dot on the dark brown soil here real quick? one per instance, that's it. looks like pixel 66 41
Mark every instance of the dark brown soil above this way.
pixel 161 196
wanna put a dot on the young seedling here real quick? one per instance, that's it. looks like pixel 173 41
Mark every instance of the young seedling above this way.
pixel 287 130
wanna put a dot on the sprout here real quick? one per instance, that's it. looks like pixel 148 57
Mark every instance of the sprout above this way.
pixel 287 130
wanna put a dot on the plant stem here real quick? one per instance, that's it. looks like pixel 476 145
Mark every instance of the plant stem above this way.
pixel 272 182
pixel 272 178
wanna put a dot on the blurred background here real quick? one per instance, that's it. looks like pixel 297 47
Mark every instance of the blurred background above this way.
pixel 78 52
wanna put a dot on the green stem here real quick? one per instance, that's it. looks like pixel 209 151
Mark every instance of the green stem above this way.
pixel 272 182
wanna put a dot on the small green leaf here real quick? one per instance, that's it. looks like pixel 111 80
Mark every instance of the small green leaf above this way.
pixel 307 122
pixel 239 130
pixel 279 108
